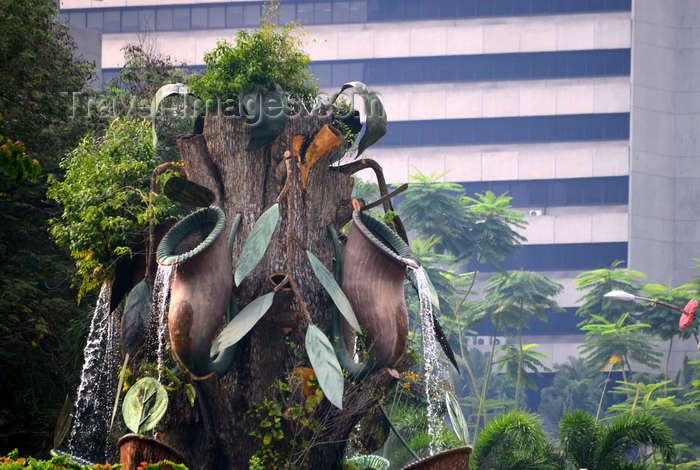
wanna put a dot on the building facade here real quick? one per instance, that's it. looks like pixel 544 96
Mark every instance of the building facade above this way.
pixel 587 112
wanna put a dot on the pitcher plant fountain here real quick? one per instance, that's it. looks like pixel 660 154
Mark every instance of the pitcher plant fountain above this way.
pixel 271 199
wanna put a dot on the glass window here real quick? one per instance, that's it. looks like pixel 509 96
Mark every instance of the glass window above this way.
pixel 430 72
pixel 393 72
pixel 288 13
pixel 65 18
pixel 484 68
pixel 355 71
pixel 112 21
pixel 130 20
pixel 341 73
pixel 164 19
pixel 393 10
pixel 217 17
pixel 305 13
pixel 540 6
pixel 341 12
pixel 503 7
pixel 322 12
pixel 521 7
pixel 199 18
pixel 147 20
pixel 412 72
pixel 358 12
pixel 323 73
pixel 234 17
pixel 78 19
pixel 95 20
pixel 412 10
pixel 181 18
pixel 251 15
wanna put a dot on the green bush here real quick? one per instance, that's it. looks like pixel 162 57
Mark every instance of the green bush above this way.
pixel 106 198
pixel 259 61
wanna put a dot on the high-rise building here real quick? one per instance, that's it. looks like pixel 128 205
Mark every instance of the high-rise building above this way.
pixel 587 112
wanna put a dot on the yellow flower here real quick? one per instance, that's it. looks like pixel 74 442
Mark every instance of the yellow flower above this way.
pixel 615 358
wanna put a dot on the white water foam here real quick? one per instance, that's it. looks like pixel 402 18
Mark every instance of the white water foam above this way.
pixel 431 352
pixel 89 435
pixel 161 296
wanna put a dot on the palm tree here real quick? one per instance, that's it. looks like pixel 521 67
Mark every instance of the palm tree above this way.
pixel 592 445
pixel 514 440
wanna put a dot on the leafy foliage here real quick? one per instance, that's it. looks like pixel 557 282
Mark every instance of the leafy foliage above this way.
pixel 599 282
pixel 106 199
pixel 618 344
pixel 596 446
pixel 512 440
pixel 37 308
pixel 259 61
pixel 15 162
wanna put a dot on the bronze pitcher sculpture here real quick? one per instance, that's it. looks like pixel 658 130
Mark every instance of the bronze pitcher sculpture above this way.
pixel 200 290
pixel 375 262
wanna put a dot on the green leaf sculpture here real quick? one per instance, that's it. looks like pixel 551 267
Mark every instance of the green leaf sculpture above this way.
pixel 269 123
pixel 164 92
pixel 375 124
pixel 187 192
pixel 144 405
pixel 137 315
pixel 325 365
pixel 459 424
pixel 434 299
pixel 329 283
pixel 257 242
pixel 242 323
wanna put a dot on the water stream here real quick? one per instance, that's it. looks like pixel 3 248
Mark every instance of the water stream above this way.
pixel 434 372
pixel 89 435
pixel 161 291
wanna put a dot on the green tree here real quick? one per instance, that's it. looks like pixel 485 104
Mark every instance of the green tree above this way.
pixel 599 282
pixel 617 344
pixel 106 199
pixel 590 444
pixel 516 297
pixel 575 386
pixel 663 322
pixel 37 307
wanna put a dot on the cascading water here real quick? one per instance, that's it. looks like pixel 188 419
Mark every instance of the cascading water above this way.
pixel 161 291
pixel 433 368
pixel 96 393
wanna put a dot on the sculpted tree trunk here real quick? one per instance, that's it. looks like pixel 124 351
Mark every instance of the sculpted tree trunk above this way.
pixel 215 433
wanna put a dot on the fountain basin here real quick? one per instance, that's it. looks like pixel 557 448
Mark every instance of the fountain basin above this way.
pixel 135 448
pixel 453 459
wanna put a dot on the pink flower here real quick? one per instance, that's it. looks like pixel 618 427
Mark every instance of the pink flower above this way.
pixel 687 315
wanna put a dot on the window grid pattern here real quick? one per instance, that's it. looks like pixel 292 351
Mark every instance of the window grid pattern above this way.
pixel 528 129
pixel 246 14
pixel 608 190
pixel 563 257
pixel 474 68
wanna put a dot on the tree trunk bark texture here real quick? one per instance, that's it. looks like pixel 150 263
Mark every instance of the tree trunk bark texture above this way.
pixel 214 434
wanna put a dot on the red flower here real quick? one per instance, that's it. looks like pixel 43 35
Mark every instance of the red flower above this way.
pixel 687 315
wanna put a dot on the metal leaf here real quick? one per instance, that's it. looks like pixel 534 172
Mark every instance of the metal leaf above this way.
pixel 63 424
pixel 191 393
pixel 374 127
pixel 329 283
pixel 242 323
pixel 459 424
pixel 137 316
pixel 325 365
pixel 187 192
pixel 269 123
pixel 144 405
pixel 164 92
pixel 442 339
pixel 257 242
